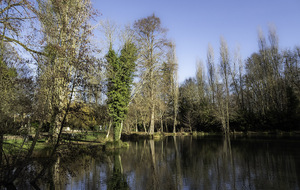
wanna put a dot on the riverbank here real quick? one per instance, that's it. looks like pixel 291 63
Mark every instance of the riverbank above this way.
pixel 160 135
pixel 99 139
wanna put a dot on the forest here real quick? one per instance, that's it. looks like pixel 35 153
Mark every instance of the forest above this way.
pixel 53 76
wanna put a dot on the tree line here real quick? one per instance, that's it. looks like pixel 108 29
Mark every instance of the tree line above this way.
pixel 260 93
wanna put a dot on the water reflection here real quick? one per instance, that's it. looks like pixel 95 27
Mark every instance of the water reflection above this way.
pixel 208 163
pixel 117 180
pixel 183 163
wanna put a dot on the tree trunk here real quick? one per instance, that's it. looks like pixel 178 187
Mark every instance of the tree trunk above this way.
pixel 227 106
pixel 174 124
pixel 117 131
pixel 161 124
pixel 151 129
pixel 121 129
pixel 136 125
pixel 1 148
pixel 144 125
pixel 108 131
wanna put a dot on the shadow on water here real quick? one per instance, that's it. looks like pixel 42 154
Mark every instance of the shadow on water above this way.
pixel 213 162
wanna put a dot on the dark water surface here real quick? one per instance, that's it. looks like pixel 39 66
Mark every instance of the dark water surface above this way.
pixel 186 163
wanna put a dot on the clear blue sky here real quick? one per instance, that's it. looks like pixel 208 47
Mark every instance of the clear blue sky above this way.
pixel 193 24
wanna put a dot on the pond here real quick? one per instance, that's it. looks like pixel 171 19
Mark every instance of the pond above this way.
pixel 184 162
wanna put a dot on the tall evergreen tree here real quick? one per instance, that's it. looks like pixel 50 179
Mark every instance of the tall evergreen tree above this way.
pixel 120 78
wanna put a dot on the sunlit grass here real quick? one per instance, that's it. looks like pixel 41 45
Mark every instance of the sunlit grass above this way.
pixel 90 136
pixel 12 146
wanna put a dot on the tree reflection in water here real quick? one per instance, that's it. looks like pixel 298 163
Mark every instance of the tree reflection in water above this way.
pixel 117 180
pixel 181 163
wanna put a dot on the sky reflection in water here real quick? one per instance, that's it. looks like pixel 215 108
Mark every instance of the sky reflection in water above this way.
pixel 191 163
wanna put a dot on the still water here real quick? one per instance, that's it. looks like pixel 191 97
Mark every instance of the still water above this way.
pixel 187 163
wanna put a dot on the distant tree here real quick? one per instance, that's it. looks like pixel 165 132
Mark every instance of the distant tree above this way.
pixel 168 93
pixel 204 113
pixel 187 102
pixel 224 69
pixel 211 73
pixel 270 86
pixel 172 59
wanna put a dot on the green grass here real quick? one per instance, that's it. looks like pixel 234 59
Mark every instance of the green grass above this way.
pixel 93 137
pixel 90 138
pixel 16 145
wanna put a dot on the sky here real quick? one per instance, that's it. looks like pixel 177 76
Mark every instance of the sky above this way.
pixel 193 24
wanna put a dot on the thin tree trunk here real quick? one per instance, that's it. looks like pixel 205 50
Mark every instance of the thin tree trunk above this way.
pixel 1 148
pixel 174 124
pixel 151 129
pixel 144 127
pixel 227 118
pixel 227 107
pixel 136 125
pixel 161 124
pixel 166 127
pixel 108 131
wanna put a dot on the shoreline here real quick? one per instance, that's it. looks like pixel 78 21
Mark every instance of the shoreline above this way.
pixel 107 144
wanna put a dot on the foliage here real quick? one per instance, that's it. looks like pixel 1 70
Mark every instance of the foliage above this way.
pixel 82 116
pixel 120 78
pixel 263 98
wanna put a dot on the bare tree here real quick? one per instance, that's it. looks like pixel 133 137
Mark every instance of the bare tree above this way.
pixel 169 88
pixel 211 73
pixel 236 73
pixel 174 84
pixel 66 36
pixel 13 86
pixel 224 69
pixel 151 38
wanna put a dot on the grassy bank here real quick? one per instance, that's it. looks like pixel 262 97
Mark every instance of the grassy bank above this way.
pixel 17 143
